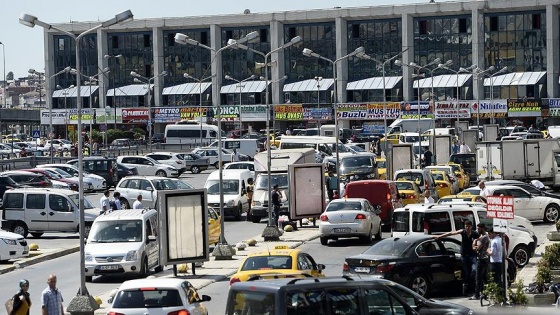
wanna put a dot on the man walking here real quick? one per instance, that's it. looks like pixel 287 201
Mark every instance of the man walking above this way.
pixel 464 148
pixel 428 157
pixel 51 298
pixel 495 252
pixel 276 197
pixel 331 184
pixel 138 203
pixel 480 246
pixel 250 190
pixel 104 202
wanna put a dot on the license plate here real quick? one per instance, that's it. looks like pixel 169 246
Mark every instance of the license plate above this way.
pixel 342 230
pixel 361 269
pixel 109 267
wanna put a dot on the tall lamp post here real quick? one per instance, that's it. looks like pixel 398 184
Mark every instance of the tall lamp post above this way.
pixel 65 93
pixel 418 68
pixel 241 86
pixel 458 87
pixel 188 76
pixel 273 82
pixel 116 57
pixel 477 72
pixel 4 67
pixel 491 77
pixel 319 79
pixel 141 79
pixel 31 21
pixel 223 248
pixel 309 53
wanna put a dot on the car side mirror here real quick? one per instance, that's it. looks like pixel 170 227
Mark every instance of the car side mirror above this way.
pixel 320 267
pixel 149 188
pixel 151 164
pixel 151 238
pixel 205 298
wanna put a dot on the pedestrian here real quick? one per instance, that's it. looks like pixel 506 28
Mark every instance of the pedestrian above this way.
pixel 104 202
pixel 495 252
pixel 116 202
pixel 332 184
pixel 51 298
pixel 428 157
pixel 95 148
pixel 22 153
pixel 138 203
pixel 532 129
pixel 235 156
pixel 427 197
pixel 480 246
pixel 276 197
pixel 464 148
pixel 22 300
pixel 468 255
pixel 483 190
pixel 250 190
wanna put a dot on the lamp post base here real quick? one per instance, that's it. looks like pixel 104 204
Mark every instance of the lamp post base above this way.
pixel 82 305
pixel 271 234
pixel 223 252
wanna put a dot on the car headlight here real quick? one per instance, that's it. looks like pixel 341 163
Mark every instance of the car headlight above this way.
pixel 88 257
pixel 131 256
pixel 230 203
pixel 9 241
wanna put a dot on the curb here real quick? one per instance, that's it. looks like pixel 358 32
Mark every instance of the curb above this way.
pixel 39 258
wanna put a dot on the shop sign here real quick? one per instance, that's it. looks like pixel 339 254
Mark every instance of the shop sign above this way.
pixel 253 112
pixel 524 108
pixel 59 116
pixel 317 114
pixel 167 114
pixel 288 112
pixel 191 113
pixel 368 111
pixel 411 106
pixel 554 106
pixel 489 115
pixel 498 107
pixel 448 109
pixel 135 115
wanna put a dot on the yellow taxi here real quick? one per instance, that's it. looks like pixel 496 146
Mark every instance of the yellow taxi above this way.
pixel 443 183
pixel 462 198
pixel 462 176
pixel 280 262
pixel 409 192
pixel 382 168
pixel 214 226
pixel 393 138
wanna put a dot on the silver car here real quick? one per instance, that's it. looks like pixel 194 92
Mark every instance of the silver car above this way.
pixel 147 186
pixel 350 217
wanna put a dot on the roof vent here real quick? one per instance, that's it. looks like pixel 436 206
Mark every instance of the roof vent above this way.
pixel 247 11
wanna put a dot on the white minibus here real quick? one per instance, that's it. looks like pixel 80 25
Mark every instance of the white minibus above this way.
pixel 190 133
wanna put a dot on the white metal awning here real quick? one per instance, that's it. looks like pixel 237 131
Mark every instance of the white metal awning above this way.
pixel 375 83
pixel 309 85
pixel 187 88
pixel 130 90
pixel 443 81
pixel 85 91
pixel 246 87
pixel 515 78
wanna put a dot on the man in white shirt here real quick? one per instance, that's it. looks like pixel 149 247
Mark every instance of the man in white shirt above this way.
pixel 138 203
pixel 427 197
pixel 104 202
pixel 235 156
pixel 464 148
pixel 483 190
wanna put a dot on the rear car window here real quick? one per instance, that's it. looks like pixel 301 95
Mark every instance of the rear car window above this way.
pixel 13 200
pixel 461 216
pixel 148 298
pixel 438 222
pixel 401 221
pixel 245 302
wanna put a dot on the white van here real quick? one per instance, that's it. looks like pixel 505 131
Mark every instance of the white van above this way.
pixel 123 242
pixel 324 145
pixel 234 184
pixel 438 219
pixel 249 147
pixel 190 133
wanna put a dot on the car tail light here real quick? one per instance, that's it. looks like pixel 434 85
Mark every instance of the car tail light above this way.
pixel 383 268
pixel 234 280
pixel 324 217
pixel 180 312
pixel 115 313
pixel 443 185
pixel 388 196
pixel 345 267
pixel 426 184
pixel 410 196
pixel 360 216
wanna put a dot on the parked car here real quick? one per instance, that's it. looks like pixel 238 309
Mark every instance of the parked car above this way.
pixel 29 179
pixel 124 170
pixel 148 166
pixel 7 183
pixel 52 175
pixel 212 155
pixel 123 144
pixel 532 207
pixel 59 145
pixel 418 262
pixel 158 138
pixel 195 163
pixel 147 186
pixel 13 246
pixel 528 187
pixel 102 166
pixel 245 165
pixel 169 158
pixel 350 217
pixel 98 182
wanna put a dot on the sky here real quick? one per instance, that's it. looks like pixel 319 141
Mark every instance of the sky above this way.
pixel 24 46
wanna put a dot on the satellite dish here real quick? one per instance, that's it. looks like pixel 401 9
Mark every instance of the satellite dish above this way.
pixel 247 11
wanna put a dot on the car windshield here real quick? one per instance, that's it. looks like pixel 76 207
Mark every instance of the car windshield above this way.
pixel 357 148
pixel 267 263
pixel 229 187
pixel 277 179
pixel 117 231
pixel 351 205
pixel 356 161
pixel 53 174
pixel 170 184
pixel 395 246
pixel 381 164
pixel 76 198
pixel 404 185
pixel 415 177
pixel 438 176
pixel 62 173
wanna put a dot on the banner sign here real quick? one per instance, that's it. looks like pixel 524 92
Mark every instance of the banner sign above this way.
pixel 368 111
pixel 288 112
pixel 253 112
pixel 134 115
pixel 70 116
pixel 167 114
pixel 499 207
pixel 317 114
pixel 448 109
pixel 372 127
pixel 553 105
pixel 524 108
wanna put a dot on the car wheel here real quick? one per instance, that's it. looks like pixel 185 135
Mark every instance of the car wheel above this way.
pixel 124 204
pixel 158 269
pixel 161 173
pixel 255 219
pixel 20 228
pixel 419 284
pixel 367 239
pixel 145 269
pixel 36 234
pixel 217 165
pixel 324 240
pixel 520 255
pixel 551 213
pixel 378 235
pixel 195 169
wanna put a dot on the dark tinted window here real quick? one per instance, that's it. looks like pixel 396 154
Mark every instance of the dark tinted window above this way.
pixel 382 302
pixel 124 183
pixel 36 201
pixel 245 302
pixel 58 203
pixel 401 221
pixel 148 298
pixel 5 180
pixel 13 201
pixel 438 222
pixel 129 160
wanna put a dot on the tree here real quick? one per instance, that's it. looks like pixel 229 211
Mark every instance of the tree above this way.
pixel 10 76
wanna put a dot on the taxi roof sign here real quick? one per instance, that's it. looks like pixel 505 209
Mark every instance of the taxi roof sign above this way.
pixel 281 247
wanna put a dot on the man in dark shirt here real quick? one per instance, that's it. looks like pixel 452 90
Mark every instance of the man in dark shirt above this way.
pixel 427 157
pixel 481 247
pixel 276 197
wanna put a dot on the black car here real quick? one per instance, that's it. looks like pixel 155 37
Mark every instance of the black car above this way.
pixel 418 262
pixel 158 138
pixel 102 166
pixel 123 171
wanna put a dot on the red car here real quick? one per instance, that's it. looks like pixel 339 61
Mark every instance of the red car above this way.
pixel 72 183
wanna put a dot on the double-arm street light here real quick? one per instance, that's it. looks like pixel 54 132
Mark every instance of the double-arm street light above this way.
pixel 141 79
pixel 183 39
pixel 446 67
pixel 477 72
pixel 116 57
pixel 31 21
pixel 65 93
pixel 188 76
pixel 50 134
pixel 270 232
pixel 491 77
pixel 240 86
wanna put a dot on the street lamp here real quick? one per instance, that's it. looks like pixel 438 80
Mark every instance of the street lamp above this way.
pixel 285 77
pixel 271 232
pixel 31 21
pixel 458 91
pixel 188 76
pixel 182 39
pixel 309 53
pixel 114 89
pixel 141 79
pixel 241 86
pixel 4 67
pixel 51 129
pixel 65 93
pixel 477 72
pixel 418 68
pixel 319 79
pixel 491 77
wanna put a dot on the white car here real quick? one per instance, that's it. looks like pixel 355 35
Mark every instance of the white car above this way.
pixel 98 182
pixel 165 296
pixel 148 166
pixel 12 246
pixel 527 205
pixel 350 217
pixel 58 144
pixel 212 155
pixel 6 148
pixel 170 158
pixel 245 165
pixel 60 185
pixel 88 186
pixel 147 186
